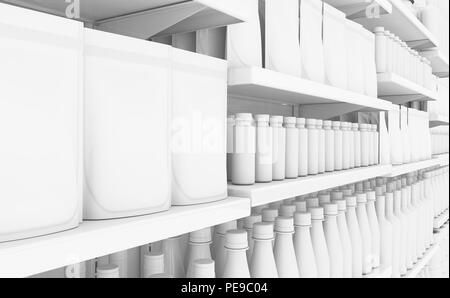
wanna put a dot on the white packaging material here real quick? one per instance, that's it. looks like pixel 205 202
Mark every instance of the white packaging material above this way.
pixel 311 45
pixel 395 135
pixel 127 98
pixel 199 95
pixel 370 68
pixel 335 51
pixel 244 39
pixel 385 142
pixel 355 58
pixel 244 153
pixel 282 44
pixel 41 123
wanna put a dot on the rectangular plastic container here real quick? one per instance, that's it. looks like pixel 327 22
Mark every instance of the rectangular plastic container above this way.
pixel 40 123
pixel 199 125
pixel 127 119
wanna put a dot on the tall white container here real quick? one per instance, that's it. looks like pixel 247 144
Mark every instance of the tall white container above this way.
pixel 264 147
pixel 329 146
pixel 262 264
pixel 319 243
pixel 322 150
pixel 355 237
pixel 41 119
pixel 357 144
pixel 313 147
pixel 120 111
pixel 338 146
pixel 279 148
pixel 366 234
pixel 365 144
pixel 334 243
pixel 304 250
pixel 230 144
pixel 302 147
pixel 236 265
pixel 283 250
pixel 344 236
pixel 244 156
pixel 346 145
pixel 292 147
pixel 199 95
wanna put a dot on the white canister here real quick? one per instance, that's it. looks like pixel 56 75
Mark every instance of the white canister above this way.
pixel 291 147
pixel 264 147
pixel 302 147
pixel 365 144
pixel 329 146
pixel 321 146
pixel 244 155
pixel 357 144
pixel 338 146
pixel 279 148
pixel 313 146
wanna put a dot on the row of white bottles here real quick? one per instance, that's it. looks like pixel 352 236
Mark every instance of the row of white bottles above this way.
pixel 439 140
pixel 395 56
pixel 272 148
pixel 437 189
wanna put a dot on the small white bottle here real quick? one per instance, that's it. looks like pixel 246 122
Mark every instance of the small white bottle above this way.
pixel 334 244
pixel 313 146
pixel 365 144
pixel 366 233
pixel 219 251
pixel 199 248
pixel 329 146
pixel 322 149
pixel 404 226
pixel 243 165
pixel 173 260
pixel 338 146
pixel 153 263
pixel 248 226
pixel 279 148
pixel 374 227
pixel 303 147
pixel 236 265
pixel 345 238
pixel 376 145
pixel 292 147
pixel 304 250
pixel 108 271
pixel 284 251
pixel 346 144
pixel 357 144
pixel 385 231
pixel 396 233
pixel 319 243
pixel 204 268
pixel 262 264
pixel 230 144
pixel 355 237
pixel 264 147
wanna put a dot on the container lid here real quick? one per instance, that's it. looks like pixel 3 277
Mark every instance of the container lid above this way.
pixel 262 118
pixel 251 220
pixel 300 206
pixel 361 198
pixel 345 124
pixel 364 126
pixel 341 204
pixel 337 195
pixel 244 116
pixel 284 224
pixel 359 186
pixel 290 120
pixel 223 228
pixel 355 126
pixel 109 270
pixel 330 209
pixel 324 199
pixel 336 124
pixel 288 210
pixel 367 185
pixel 154 261
pixel 347 192
pixel 378 30
pixel 319 123
pixel 327 123
pixel 236 239
pixel 390 187
pixel 374 127
pixel 317 213
pixel 276 119
pixel 351 201
pixel 301 121
pixel 379 191
pixel 312 203
pixel 201 236
pixel 204 268
pixel 371 196
pixel 263 231
pixel 302 219
pixel 269 214
pixel 311 122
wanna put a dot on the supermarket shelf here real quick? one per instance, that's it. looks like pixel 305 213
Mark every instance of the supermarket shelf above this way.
pixel 98 238
pixel 399 90
pixel 271 86
pixel 439 62
pixel 404 24
pixel 441 219
pixel 361 8
pixel 265 193
pixel 412 167
pixel 442 159
pixel 145 18
pixel 423 262
pixel 438 120
pixel 380 273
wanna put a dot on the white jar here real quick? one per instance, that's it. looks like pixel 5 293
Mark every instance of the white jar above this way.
pixel 329 146
pixel 357 144
pixel 313 147
pixel 292 147
pixel 303 147
pixel 279 148
pixel 230 144
pixel 365 144
pixel 346 143
pixel 244 156
pixel 321 146
pixel 338 146
pixel 264 147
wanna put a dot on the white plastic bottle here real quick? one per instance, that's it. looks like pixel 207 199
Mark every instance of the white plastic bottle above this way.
pixel 355 237
pixel 153 263
pixel 346 144
pixel 108 271
pixel 396 233
pixel 374 227
pixel 366 234
pixel 303 147
pixel 279 148
pixel 403 228
pixel 338 146
pixel 334 244
pixel 300 206
pixel 324 199
pixel 312 203
pixel 345 238
pixel 284 251
pixel 351 139
pixel 243 165
pixel 313 147
pixel 236 265
pixel 199 248
pixel 329 146
pixel 269 214
pixel 219 252
pixel 262 264
pixel 248 226
pixel 410 220
pixel 322 150
pixel 365 144
pixel 304 250
pixel 204 268
pixel 374 152
pixel 287 210
pixel 357 144
pixel 230 144
pixel 292 147
pixel 264 147
pixel 386 232
pixel 173 260
pixel 319 243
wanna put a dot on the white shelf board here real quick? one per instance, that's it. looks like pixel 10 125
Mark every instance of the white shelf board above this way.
pixel 380 273
pixel 267 85
pixel 414 272
pixel 399 90
pixel 145 18
pixel 438 120
pixel 439 62
pixel 398 170
pixel 265 193
pixel 361 8
pixel 404 24
pixel 441 219
pixel 442 159
pixel 98 238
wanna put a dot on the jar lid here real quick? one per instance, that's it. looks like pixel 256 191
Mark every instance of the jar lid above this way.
pixel 311 122
pixel 251 220
pixel 284 224
pixel 276 119
pixel 301 121
pixel 263 231
pixel 269 214
pixel 302 219
pixel 262 118
pixel 287 210
pixel 330 209
pixel 316 213
pixel 236 239
pixel 200 236
pixel 244 116
pixel 290 120
pixel 351 201
pixel 223 228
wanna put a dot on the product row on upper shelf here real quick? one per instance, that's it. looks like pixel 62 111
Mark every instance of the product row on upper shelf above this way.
pixel 440 140
pixel 348 231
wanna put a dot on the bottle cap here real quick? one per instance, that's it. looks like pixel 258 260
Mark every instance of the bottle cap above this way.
pixel 378 30
pixel 275 205
pixel 367 185
pixel 364 126
pixel 330 209
pixel 262 118
pixel 345 124
pixel 361 198
pixel 316 213
pixel 327 124
pixel 324 199
pixel 379 191
pixel 223 228
pixel 300 206
pixel 244 116
pixel 347 192
pixel 371 196
pixel 153 263
pixel 263 231
pixel 391 187
pixel 341 204
pixel 231 120
pixel 276 119
pixel 204 268
pixel 201 236
pixel 269 214
pixel 302 219
pixel 108 271
pixel 312 203
pixel 319 123
pixel 290 120
pixel 337 195
pixel 301 121
pixel 288 210
pixel 351 201
pixel 336 124
pixel 236 239
pixel 355 126
pixel 359 186
pixel 284 224
pixel 251 220
pixel 311 122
